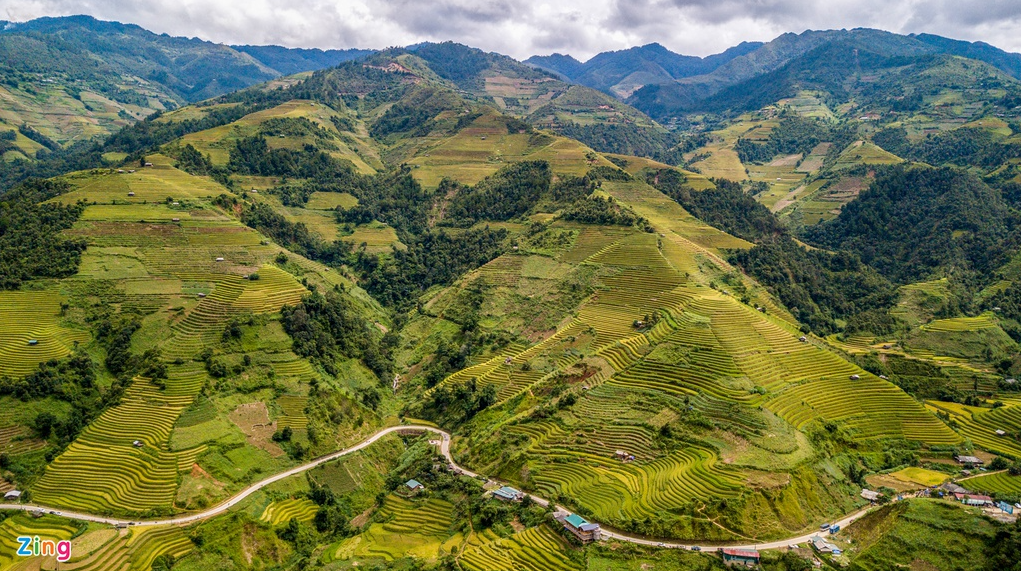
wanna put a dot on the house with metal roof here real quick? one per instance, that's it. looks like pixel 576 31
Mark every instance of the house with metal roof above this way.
pixel 508 494
pixel 746 557
pixel 413 486
pixel 13 495
pixel 581 528
pixel 823 546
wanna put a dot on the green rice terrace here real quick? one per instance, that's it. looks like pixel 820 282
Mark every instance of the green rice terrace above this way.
pixel 217 336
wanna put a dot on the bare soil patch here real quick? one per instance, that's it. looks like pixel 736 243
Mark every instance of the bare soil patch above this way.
pixel 253 419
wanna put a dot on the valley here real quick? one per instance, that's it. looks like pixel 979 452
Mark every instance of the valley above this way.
pixel 317 321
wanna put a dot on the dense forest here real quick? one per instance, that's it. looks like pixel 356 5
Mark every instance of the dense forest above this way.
pixel 31 240
pixel 932 222
pixel 727 206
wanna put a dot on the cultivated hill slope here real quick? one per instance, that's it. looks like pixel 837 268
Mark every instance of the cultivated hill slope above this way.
pixel 75 77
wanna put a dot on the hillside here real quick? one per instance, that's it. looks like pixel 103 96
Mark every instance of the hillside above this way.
pixel 234 289
pixel 799 53
pixel 76 77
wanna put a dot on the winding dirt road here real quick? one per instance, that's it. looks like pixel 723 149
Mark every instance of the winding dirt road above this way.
pixel 445 450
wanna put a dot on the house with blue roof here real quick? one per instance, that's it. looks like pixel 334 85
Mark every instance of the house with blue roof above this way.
pixel 413 486
pixel 508 494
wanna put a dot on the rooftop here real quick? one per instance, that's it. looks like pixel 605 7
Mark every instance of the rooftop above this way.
pixel 575 520
pixel 741 552
pixel 413 484
pixel 507 492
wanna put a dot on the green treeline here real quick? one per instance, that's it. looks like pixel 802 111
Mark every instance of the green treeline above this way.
pixel 31 240
pixel 726 207
pixel 920 223
pixel 433 258
pixel 327 327
pixel 963 147
pixel 795 134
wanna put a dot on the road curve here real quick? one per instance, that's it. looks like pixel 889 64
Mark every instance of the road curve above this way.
pixel 445 450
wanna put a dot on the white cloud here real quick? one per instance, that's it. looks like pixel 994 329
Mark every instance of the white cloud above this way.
pixel 520 28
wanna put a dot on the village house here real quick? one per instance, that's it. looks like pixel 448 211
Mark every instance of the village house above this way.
pixel 823 546
pixel 12 496
pixel 974 500
pixel 969 461
pixel 623 456
pixel 746 557
pixel 508 494
pixel 414 486
pixel 581 528
pixel 870 495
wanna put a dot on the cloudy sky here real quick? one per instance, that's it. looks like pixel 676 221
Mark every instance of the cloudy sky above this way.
pixel 521 28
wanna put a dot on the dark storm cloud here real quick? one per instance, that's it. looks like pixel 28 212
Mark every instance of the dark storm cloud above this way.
pixel 523 27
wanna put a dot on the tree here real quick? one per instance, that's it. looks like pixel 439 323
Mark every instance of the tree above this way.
pixel 1003 550
pixel 44 423
pixel 283 435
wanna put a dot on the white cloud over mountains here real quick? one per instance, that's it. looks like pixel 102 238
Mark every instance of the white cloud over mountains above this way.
pixel 521 28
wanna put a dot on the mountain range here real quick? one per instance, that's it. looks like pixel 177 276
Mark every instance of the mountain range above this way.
pixel 786 294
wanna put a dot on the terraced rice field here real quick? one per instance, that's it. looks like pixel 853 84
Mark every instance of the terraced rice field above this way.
pixel 865 153
pixel 133 550
pixel 981 428
pixel 376 239
pixel 282 511
pixel 152 185
pixel 48 527
pixel 482 148
pixel 613 490
pixel 958 324
pixel 293 407
pixel 707 351
pixel 416 528
pixel 330 201
pixel 17 439
pixel 535 549
pixel 31 316
pixel 181 256
pixel 102 472
pixel 216 142
pixel 873 408
pixel 998 483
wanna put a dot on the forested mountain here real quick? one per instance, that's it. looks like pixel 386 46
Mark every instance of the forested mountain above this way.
pixel 792 54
